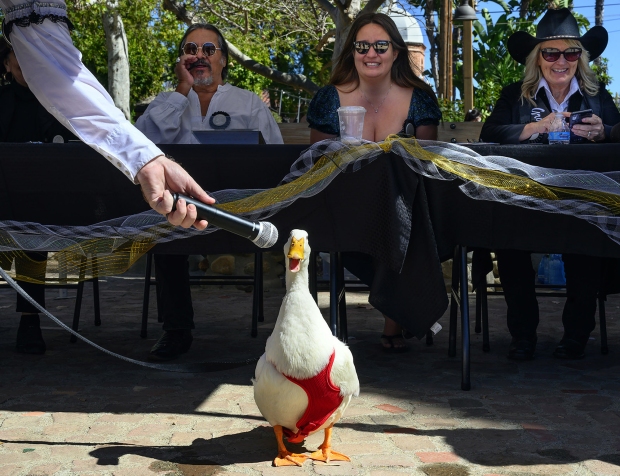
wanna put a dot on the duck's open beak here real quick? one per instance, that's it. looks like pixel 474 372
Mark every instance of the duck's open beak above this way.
pixel 295 254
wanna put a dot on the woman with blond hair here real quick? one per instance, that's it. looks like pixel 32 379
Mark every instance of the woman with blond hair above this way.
pixel 557 79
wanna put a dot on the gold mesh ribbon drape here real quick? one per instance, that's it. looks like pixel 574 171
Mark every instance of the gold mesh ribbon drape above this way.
pixel 110 248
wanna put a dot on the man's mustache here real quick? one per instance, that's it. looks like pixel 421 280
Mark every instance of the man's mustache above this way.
pixel 200 63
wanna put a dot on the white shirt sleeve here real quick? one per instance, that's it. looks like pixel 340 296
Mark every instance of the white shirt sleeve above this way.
pixel 162 120
pixel 266 123
pixel 53 69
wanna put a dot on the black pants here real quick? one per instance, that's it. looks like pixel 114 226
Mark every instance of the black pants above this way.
pixel 36 291
pixel 174 298
pixel 583 281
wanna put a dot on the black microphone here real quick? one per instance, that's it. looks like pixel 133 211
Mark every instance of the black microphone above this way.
pixel 262 233
pixel 614 136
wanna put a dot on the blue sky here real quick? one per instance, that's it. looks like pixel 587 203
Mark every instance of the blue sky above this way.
pixel 611 21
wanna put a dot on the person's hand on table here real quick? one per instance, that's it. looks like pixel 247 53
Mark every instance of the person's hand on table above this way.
pixel 592 129
pixel 159 178
pixel 540 127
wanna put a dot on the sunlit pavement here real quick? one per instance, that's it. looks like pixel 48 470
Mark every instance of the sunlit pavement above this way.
pixel 77 411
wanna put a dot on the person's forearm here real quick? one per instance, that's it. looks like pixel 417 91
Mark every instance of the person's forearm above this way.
pixel 54 72
pixel 528 131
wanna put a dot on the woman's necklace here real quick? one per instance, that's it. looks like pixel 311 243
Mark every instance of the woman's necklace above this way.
pixel 384 98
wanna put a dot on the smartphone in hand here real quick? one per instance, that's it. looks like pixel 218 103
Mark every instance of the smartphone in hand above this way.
pixel 577 118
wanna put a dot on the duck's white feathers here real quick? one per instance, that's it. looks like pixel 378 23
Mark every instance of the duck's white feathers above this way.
pixel 300 346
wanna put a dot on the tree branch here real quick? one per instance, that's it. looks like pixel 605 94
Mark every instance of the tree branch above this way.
pixel 372 6
pixel 294 80
pixel 224 17
pixel 329 7
pixel 179 10
pixel 325 39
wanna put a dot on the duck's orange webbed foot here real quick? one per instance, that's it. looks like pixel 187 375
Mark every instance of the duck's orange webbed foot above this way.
pixel 285 457
pixel 325 452
pixel 289 459
pixel 327 455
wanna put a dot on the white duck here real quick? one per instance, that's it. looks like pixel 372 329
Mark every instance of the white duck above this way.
pixel 306 377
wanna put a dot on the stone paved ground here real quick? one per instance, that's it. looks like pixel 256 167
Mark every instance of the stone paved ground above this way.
pixel 76 411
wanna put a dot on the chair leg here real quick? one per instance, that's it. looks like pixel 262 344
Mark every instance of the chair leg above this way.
pixel 258 291
pixel 454 303
pixel 484 310
pixel 342 303
pixel 95 282
pixel 145 295
pixel 313 278
pixel 333 293
pixel 465 379
pixel 429 337
pixel 603 323
pixel 477 327
pixel 78 301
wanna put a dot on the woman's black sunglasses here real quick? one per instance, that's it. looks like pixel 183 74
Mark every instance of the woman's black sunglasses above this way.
pixel 363 47
pixel 208 49
pixel 553 54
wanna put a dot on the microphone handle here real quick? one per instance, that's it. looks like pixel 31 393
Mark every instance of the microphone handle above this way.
pixel 221 219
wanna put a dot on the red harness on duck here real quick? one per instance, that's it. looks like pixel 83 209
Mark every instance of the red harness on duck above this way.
pixel 323 400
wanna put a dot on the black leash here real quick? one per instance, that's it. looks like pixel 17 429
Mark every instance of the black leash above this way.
pixel 200 367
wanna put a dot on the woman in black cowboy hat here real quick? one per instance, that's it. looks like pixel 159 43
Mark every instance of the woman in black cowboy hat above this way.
pixel 557 79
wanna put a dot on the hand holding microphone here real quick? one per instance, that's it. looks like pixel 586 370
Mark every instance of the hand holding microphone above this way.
pixel 262 233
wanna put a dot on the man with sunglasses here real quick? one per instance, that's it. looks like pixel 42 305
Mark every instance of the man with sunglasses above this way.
pixel 202 100
pixel 557 79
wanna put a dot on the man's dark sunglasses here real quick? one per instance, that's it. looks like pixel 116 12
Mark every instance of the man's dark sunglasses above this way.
pixel 553 54
pixel 208 49
pixel 363 47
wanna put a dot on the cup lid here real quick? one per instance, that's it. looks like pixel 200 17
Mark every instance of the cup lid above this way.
pixel 351 109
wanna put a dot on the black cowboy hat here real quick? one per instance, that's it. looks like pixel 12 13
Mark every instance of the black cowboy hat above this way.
pixel 557 25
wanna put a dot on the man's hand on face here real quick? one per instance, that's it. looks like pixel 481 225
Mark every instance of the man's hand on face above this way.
pixel 182 70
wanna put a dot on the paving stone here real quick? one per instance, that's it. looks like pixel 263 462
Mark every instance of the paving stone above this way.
pixel 44 470
pixel 10 470
pixel 413 443
pixel 437 457
pixel 126 420
pixel 602 468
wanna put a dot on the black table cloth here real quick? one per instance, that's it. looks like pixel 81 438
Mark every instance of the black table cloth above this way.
pixel 381 210
pixel 458 219
pixel 372 211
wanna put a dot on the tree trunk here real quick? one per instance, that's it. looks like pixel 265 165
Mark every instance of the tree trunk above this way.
pixel 118 58
pixel 598 20
pixel 429 20
pixel 523 8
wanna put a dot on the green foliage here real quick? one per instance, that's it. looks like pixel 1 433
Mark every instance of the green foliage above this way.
pixel 237 74
pixel 151 41
pixel 451 111
pixel 602 71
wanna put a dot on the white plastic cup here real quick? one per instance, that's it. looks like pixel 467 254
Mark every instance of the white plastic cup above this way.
pixel 351 120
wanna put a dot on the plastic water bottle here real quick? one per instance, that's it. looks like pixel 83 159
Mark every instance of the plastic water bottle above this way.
pixel 543 270
pixel 556 270
pixel 559 132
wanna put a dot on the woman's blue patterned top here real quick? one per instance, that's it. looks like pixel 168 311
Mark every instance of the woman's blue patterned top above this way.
pixel 323 115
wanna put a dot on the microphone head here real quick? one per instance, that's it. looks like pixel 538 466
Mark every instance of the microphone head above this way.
pixel 615 133
pixel 267 235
